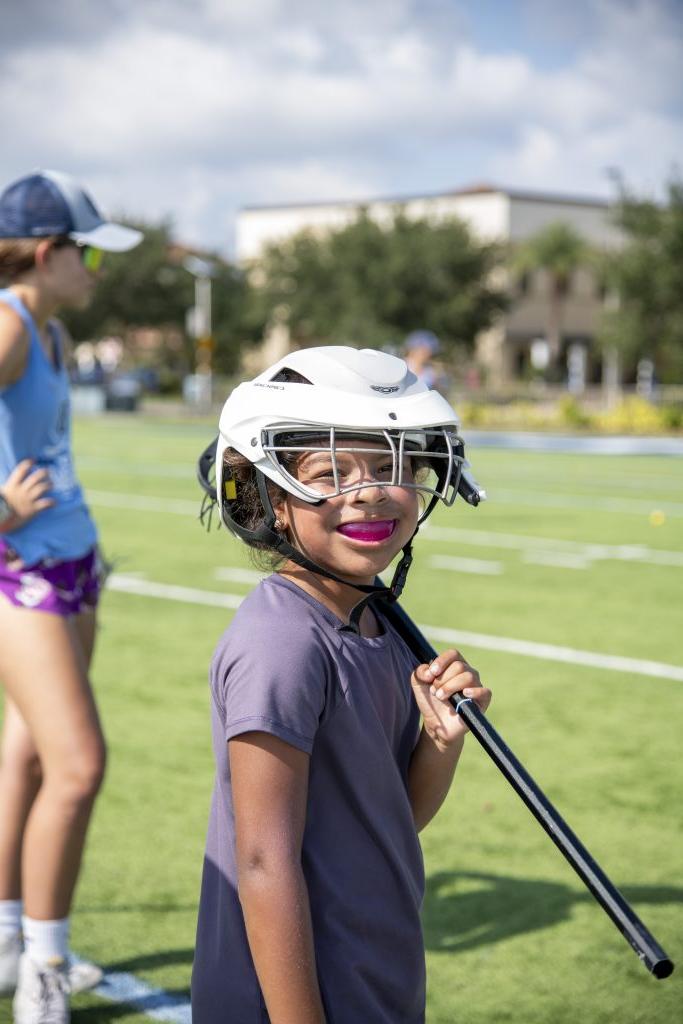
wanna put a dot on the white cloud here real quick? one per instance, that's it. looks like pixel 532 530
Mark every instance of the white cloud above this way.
pixel 195 110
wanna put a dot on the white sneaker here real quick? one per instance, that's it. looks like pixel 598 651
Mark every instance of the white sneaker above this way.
pixel 42 995
pixel 10 951
pixel 83 975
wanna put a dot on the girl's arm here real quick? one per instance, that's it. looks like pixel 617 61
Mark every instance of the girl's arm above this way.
pixel 438 749
pixel 270 786
pixel 13 346
pixel 24 491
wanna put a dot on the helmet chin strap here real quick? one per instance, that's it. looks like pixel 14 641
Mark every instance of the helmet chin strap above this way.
pixel 268 533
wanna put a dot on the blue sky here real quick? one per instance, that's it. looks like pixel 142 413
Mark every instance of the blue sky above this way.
pixel 191 109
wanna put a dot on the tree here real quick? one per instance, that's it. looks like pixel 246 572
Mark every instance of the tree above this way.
pixel 142 287
pixel 645 278
pixel 558 250
pixel 372 283
pixel 149 287
pixel 234 321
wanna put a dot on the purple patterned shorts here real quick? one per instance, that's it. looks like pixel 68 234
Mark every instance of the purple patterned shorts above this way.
pixel 63 588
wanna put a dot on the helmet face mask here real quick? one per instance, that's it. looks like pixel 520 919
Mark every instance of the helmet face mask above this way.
pixel 428 460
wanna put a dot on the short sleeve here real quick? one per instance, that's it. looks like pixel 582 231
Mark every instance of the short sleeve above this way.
pixel 277 681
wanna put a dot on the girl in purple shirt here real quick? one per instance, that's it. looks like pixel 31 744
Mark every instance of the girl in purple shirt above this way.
pixel 333 747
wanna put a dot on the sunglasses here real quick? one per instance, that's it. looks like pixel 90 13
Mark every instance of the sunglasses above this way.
pixel 91 258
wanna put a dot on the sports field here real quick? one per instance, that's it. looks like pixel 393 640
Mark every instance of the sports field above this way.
pixel 570 552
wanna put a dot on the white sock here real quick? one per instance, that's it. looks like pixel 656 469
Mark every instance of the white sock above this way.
pixel 46 941
pixel 10 917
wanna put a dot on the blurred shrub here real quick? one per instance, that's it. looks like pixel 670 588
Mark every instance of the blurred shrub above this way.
pixel 633 415
pixel 672 415
pixel 571 413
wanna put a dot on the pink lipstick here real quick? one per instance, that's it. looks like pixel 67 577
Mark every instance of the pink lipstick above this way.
pixel 369 532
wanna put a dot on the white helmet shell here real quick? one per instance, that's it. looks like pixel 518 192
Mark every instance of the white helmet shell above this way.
pixel 348 390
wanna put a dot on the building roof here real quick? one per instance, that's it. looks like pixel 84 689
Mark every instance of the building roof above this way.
pixel 483 188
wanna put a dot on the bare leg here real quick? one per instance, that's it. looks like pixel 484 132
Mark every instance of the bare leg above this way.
pixel 86 625
pixel 21 775
pixel 43 663
pixel 20 778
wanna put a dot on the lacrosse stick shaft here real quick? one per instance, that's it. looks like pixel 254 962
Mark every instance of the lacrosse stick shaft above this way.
pixel 607 895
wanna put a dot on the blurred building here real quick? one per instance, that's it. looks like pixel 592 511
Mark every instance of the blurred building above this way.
pixel 513 348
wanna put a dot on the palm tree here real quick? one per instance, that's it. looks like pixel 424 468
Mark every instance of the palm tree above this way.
pixel 559 251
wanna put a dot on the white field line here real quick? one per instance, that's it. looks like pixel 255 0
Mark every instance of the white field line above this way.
pixel 477 566
pixel 118 987
pixel 172 470
pixel 483 641
pixel 235 575
pixel 557 559
pixel 113 499
pixel 549 652
pixel 481 538
pixel 144 503
pixel 632 506
pixel 169 592
pixel 522 542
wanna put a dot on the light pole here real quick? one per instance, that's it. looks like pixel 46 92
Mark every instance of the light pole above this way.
pixel 202 271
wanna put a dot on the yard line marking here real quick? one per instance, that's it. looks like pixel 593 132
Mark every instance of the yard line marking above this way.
pixel 518 541
pixel 557 559
pixel 118 987
pixel 484 641
pixel 175 470
pixel 550 652
pixel 633 506
pixel 482 538
pixel 235 575
pixel 147 588
pixel 144 503
pixel 478 566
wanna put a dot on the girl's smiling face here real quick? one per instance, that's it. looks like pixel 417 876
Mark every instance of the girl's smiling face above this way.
pixel 355 534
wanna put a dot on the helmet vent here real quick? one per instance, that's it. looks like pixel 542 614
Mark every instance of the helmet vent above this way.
pixel 287 376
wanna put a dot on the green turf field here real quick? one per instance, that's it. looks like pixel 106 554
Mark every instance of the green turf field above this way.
pixel 580 552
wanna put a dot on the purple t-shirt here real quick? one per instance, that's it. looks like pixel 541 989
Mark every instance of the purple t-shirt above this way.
pixel 288 666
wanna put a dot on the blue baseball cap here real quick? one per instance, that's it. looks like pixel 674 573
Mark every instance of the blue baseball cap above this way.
pixel 51 203
pixel 423 339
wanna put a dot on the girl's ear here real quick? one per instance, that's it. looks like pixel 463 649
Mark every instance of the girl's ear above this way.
pixel 42 253
pixel 281 516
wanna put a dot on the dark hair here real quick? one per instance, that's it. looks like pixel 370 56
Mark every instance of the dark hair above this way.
pixel 247 509
pixel 17 257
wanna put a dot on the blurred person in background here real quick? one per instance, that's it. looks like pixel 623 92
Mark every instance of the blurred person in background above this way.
pixel 420 348
pixel 52 753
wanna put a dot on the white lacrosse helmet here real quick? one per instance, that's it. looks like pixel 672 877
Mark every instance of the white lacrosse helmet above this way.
pixel 324 399
pixel 328 400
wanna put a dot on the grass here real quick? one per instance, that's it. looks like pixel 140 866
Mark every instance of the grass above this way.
pixel 511 934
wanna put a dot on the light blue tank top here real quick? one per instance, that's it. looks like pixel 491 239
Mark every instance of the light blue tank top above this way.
pixel 35 423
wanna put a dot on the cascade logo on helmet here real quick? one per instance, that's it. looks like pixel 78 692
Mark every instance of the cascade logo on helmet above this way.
pixel 329 401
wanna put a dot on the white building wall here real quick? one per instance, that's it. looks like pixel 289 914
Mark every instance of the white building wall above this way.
pixel 591 221
pixel 486 213
pixel 491 215
pixel 257 228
